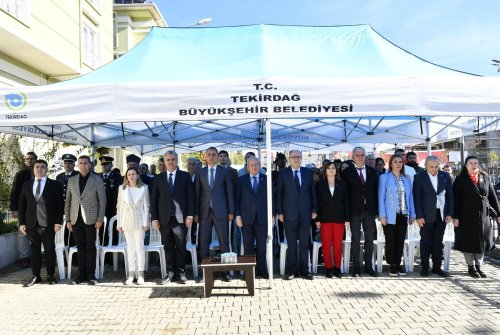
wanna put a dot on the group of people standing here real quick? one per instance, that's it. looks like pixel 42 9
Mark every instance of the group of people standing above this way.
pixel 351 196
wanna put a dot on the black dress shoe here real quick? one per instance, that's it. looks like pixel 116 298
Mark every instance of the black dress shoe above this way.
pixel 424 272
pixel 288 277
pixel 481 273
pixel 264 275
pixel 52 280
pixel 472 272
pixel 440 273
pixel 78 280
pixel 329 273
pixel 307 276
pixel 227 278
pixel 181 278
pixel 337 273
pixel 355 274
pixel 370 271
pixel 93 281
pixel 33 281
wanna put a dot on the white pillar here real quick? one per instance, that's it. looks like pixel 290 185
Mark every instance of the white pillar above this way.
pixel 270 222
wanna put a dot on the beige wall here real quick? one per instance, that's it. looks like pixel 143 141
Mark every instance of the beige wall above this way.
pixel 46 45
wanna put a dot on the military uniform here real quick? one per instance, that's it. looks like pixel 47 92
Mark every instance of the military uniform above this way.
pixel 112 181
pixel 63 178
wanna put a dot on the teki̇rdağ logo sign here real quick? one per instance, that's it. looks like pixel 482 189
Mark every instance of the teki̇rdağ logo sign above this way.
pixel 15 101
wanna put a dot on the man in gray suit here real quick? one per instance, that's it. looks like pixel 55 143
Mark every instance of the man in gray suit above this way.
pixel 215 202
pixel 84 209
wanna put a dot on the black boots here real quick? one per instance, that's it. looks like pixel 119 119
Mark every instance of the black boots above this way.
pixel 481 273
pixel 472 272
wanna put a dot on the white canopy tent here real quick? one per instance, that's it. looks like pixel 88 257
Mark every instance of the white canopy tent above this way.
pixel 198 87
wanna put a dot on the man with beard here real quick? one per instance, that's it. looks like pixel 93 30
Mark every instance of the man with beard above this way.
pixel 411 160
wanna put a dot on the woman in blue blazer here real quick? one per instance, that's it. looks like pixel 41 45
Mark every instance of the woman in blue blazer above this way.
pixel 396 210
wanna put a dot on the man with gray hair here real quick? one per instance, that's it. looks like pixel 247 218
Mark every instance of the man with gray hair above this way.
pixel 362 181
pixel 193 165
pixel 434 205
pixel 370 160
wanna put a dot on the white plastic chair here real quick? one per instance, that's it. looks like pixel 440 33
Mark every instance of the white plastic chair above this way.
pixel 449 241
pixel 411 243
pixel 74 249
pixel 346 252
pixel 191 248
pixel 61 250
pixel 316 246
pixel 115 249
pixel 155 245
pixel 380 243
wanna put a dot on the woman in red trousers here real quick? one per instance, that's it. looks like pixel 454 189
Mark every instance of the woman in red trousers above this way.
pixel 333 214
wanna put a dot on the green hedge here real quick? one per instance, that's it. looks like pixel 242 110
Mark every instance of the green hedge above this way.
pixel 8 227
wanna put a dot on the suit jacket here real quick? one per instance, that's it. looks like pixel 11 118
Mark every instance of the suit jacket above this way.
pixel 221 195
pixel 52 194
pixel 425 197
pixel 92 200
pixel 359 194
pixel 61 178
pixel 161 198
pixel 332 208
pixel 17 187
pixel 388 201
pixel 293 203
pixel 251 206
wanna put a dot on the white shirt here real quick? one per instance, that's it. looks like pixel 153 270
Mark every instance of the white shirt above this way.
pixel 363 171
pixel 298 174
pixel 173 176
pixel 35 184
pixel 256 179
pixel 332 189
pixel 434 181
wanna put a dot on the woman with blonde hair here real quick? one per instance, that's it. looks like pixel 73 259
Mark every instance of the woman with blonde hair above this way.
pixel 132 210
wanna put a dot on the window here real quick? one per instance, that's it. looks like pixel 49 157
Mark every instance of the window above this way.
pixel 90 45
pixel 17 8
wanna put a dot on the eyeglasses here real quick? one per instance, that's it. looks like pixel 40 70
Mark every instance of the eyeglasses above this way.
pixel 295 157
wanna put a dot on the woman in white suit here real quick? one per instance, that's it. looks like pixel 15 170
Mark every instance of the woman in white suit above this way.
pixel 132 210
pixel 395 210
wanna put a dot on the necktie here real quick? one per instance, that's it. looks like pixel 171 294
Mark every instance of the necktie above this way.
pixel 255 185
pixel 297 180
pixel 38 189
pixel 170 182
pixel 105 177
pixel 211 180
pixel 361 177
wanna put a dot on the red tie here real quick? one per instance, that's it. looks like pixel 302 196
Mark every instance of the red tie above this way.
pixel 361 177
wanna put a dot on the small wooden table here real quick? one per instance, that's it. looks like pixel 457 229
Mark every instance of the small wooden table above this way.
pixel 245 263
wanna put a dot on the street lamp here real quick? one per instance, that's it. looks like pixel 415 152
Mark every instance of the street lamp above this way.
pixel 202 22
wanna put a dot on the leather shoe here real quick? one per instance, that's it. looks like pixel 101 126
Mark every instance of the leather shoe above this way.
pixel 78 280
pixel 166 280
pixel 93 281
pixel 370 271
pixel 288 277
pixel 33 281
pixel 355 274
pixel 52 280
pixel 182 278
pixel 424 272
pixel 440 273
pixel 263 275
pixel 307 275
pixel 227 278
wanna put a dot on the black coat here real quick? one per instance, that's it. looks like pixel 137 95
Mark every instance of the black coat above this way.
pixel 17 186
pixel 359 194
pixel 332 208
pixel 111 186
pixel 473 233
pixel 161 198
pixel 52 194
pixel 61 178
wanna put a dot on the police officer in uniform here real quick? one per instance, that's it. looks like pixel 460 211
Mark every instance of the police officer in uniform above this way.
pixel 69 171
pixel 111 183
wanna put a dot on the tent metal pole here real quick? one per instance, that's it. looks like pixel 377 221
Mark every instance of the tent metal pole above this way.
pixel 270 221
pixel 462 150
pixel 428 139
pixel 92 143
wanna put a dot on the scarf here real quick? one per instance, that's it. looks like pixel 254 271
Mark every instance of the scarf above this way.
pixel 474 178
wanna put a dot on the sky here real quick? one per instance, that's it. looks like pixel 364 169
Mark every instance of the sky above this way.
pixel 460 34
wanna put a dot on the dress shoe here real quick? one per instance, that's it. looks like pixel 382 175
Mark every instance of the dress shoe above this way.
pixel 264 275
pixel 355 274
pixel 52 280
pixel 329 273
pixel 393 272
pixel 93 280
pixel 401 270
pixel 440 273
pixel 33 281
pixel 288 277
pixel 181 278
pixel 227 278
pixel 307 276
pixel 424 272
pixel 370 271
pixel 78 280
pixel 337 273
pixel 481 273
pixel 166 280
pixel 472 272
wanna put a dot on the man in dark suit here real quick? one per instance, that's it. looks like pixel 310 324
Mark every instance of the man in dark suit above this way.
pixel 362 181
pixel 19 179
pixel 296 205
pixel 172 211
pixel 40 217
pixel 215 203
pixel 433 199
pixel 112 182
pixel 251 213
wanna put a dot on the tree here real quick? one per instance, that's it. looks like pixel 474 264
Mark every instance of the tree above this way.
pixel 496 63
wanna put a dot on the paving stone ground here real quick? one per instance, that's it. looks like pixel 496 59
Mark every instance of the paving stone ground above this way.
pixel 383 305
